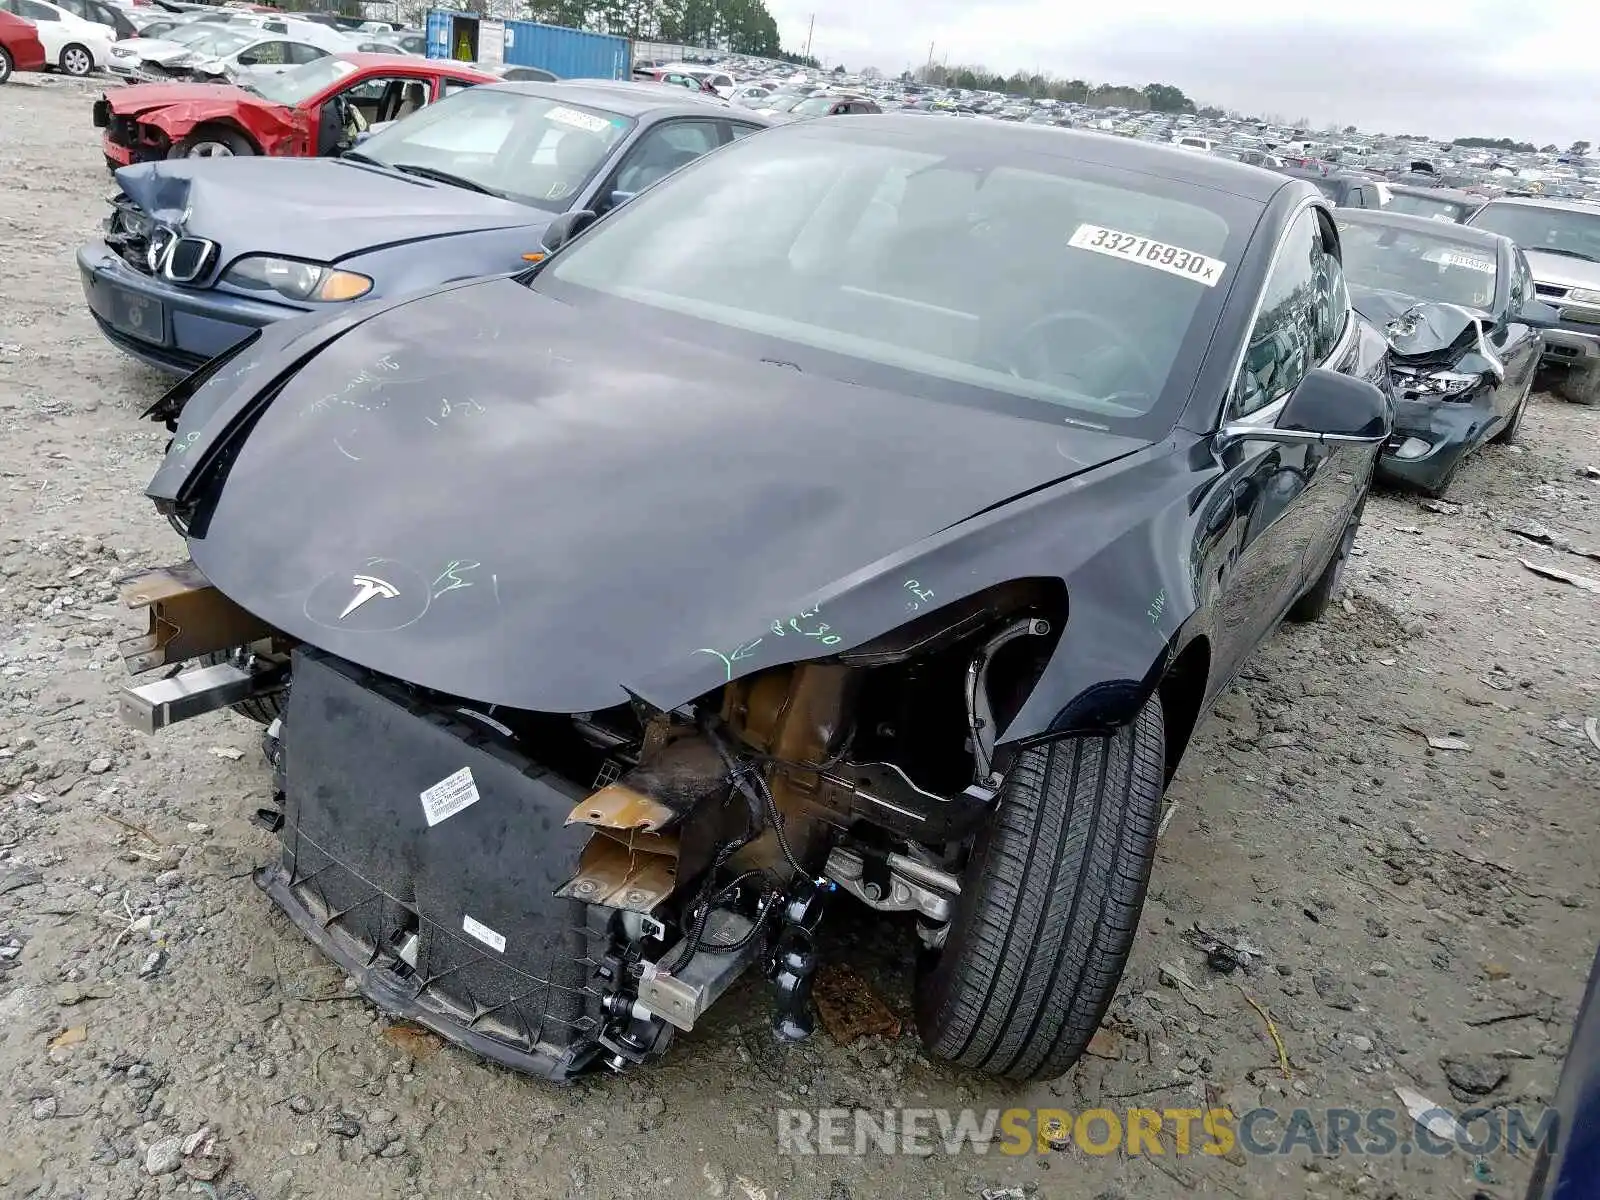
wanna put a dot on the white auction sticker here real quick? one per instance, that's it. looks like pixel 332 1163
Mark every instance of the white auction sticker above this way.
pixel 449 796
pixel 1471 262
pixel 495 941
pixel 589 122
pixel 1148 252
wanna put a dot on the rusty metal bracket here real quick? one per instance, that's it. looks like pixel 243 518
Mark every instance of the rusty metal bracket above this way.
pixel 188 618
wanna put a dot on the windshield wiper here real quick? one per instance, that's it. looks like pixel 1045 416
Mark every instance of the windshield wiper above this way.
pixel 1565 253
pixel 445 177
pixel 357 156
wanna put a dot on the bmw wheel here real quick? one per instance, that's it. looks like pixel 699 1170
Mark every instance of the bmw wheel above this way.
pixel 76 61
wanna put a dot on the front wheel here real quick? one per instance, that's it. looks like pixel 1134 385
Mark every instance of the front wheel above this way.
pixel 76 61
pixel 1581 385
pixel 212 143
pixel 1512 429
pixel 1049 905
pixel 6 65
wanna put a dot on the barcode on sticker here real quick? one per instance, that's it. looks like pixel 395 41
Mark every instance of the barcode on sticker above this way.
pixel 1470 262
pixel 1148 252
pixel 495 941
pixel 577 119
pixel 449 796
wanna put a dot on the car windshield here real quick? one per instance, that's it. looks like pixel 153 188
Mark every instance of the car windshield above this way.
pixel 298 84
pixel 814 106
pixel 1553 230
pixel 999 275
pixel 1442 269
pixel 781 103
pixel 509 143
pixel 1424 206
pixel 221 42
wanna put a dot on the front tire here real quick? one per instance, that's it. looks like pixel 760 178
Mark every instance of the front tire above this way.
pixel 212 142
pixel 1049 905
pixel 6 65
pixel 1513 428
pixel 76 61
pixel 1580 385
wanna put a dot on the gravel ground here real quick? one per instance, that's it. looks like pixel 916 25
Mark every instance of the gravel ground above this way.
pixel 1423 918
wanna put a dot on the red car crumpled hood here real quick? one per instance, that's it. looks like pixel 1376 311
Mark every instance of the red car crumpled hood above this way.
pixel 211 98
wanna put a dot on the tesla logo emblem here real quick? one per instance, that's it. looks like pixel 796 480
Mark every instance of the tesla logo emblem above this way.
pixel 367 587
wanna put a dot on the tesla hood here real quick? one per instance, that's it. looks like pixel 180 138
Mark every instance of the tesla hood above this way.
pixel 310 208
pixel 1426 331
pixel 482 492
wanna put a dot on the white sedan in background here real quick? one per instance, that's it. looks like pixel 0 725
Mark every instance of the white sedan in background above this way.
pixel 71 44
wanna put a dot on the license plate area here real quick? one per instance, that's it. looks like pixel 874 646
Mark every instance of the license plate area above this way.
pixel 142 317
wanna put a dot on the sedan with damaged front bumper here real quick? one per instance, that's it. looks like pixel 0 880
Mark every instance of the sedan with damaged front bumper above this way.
pixel 1463 324
pixel 655 607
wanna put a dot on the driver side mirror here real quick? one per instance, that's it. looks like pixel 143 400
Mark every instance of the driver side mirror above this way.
pixel 564 228
pixel 1326 407
pixel 1539 315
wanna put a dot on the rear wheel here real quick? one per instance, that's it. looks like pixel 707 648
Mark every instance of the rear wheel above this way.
pixel 1049 905
pixel 76 61
pixel 1580 385
pixel 212 142
pixel 6 65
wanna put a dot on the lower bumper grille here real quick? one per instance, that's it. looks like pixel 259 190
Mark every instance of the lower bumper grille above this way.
pixel 453 925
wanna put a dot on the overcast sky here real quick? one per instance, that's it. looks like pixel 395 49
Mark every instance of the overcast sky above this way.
pixel 1448 68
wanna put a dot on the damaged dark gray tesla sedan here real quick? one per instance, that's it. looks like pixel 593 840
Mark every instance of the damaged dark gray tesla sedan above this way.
pixel 870 508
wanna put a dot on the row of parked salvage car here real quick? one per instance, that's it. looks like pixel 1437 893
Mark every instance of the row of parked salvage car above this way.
pixel 641 545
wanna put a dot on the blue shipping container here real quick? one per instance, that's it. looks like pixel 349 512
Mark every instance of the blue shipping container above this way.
pixel 568 53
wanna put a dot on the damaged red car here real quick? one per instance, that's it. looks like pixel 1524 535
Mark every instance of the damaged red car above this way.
pixel 316 109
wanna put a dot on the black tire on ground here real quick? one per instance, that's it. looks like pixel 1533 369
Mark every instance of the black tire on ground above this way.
pixel 1580 385
pixel 1049 906
pixel 75 60
pixel 264 709
pixel 1510 431
pixel 1318 598
pixel 6 65
pixel 212 141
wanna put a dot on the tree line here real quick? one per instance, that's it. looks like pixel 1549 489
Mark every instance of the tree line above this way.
pixel 1153 97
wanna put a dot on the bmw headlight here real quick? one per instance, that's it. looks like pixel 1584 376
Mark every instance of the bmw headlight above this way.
pixel 1584 296
pixel 295 280
pixel 1426 385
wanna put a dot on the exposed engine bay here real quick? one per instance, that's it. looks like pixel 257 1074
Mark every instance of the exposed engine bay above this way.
pixel 565 892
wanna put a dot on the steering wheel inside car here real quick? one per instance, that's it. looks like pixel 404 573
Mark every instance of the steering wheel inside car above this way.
pixel 1108 366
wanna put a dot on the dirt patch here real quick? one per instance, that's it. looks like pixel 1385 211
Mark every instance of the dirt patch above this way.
pixel 1404 915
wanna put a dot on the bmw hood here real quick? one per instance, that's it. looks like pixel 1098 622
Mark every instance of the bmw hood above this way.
pixel 312 208
pixel 485 492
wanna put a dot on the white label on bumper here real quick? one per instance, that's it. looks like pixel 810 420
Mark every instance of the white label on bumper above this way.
pixel 495 941
pixel 449 796
pixel 1147 252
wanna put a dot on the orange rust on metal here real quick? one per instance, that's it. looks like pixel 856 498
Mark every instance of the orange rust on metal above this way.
pixel 611 874
pixel 618 806
pixel 188 618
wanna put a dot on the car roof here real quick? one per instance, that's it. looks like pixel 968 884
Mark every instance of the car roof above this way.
pixel 1446 229
pixel 997 139
pixel 1587 206
pixel 628 99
